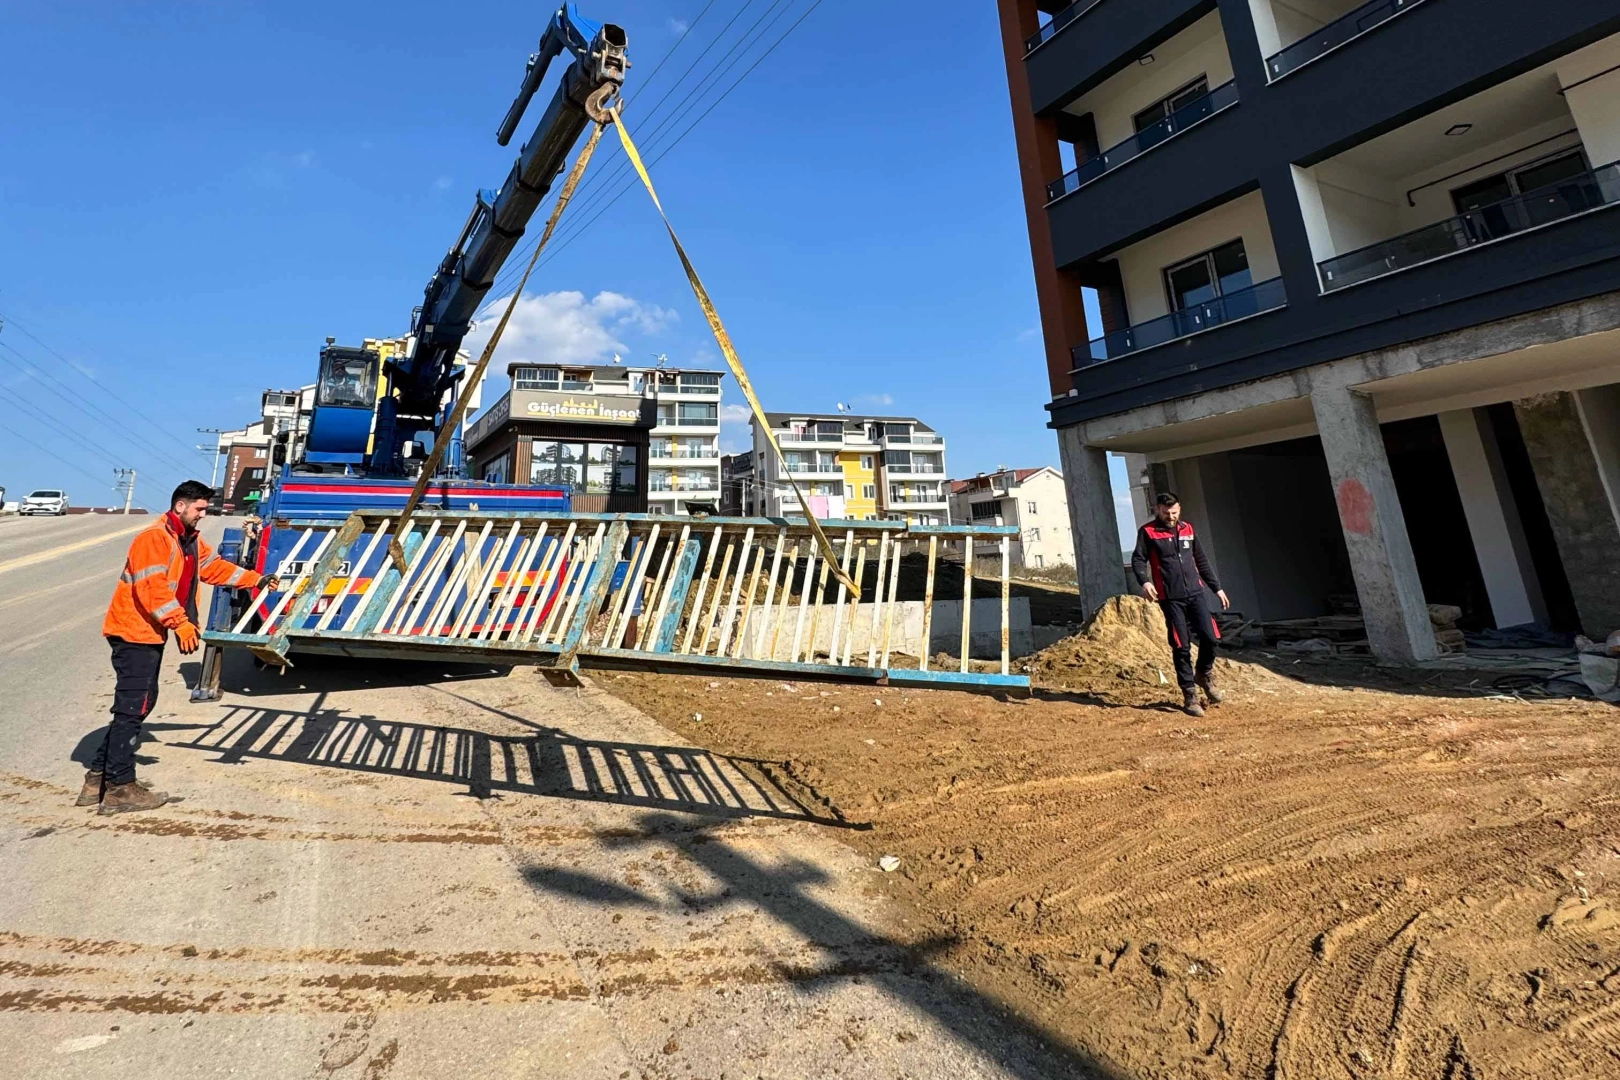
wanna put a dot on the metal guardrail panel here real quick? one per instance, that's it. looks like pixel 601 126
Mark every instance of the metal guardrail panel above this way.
pixel 741 596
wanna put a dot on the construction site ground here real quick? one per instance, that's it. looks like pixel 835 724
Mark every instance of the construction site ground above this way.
pixel 413 870
pixel 1341 871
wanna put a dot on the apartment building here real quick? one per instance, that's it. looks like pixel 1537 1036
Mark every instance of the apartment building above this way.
pixel 857 468
pixel 1035 500
pixel 620 439
pixel 1358 272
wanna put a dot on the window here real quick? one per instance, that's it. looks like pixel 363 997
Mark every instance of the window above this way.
pixel 699 383
pixel 985 511
pixel 868 491
pixel 1201 279
pixel 1159 110
pixel 829 431
pixel 592 467
pixel 1040 561
pixel 348 379
pixel 897 432
pixel 536 378
pixel 1525 178
pixel 866 462
pixel 494 472
pixel 698 412
pixel 1030 506
pixel 826 462
pixel 255 474
pixel 849 491
pixel 898 460
pixel 259 452
pixel 1032 536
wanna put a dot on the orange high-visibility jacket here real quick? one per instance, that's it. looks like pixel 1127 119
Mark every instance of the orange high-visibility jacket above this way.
pixel 144 607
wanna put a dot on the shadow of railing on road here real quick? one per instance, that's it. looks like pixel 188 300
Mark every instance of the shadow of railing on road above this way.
pixel 547 762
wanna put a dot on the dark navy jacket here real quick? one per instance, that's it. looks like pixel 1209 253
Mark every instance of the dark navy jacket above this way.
pixel 1170 557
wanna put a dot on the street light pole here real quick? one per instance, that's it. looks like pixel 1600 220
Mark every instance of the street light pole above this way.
pixel 213 476
pixel 126 481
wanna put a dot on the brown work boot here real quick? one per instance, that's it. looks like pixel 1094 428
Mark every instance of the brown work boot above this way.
pixel 1208 683
pixel 90 794
pixel 121 798
pixel 1189 703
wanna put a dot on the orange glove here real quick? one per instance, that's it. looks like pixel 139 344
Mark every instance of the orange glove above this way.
pixel 186 634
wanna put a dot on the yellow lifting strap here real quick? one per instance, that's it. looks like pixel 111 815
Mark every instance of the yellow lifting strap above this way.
pixel 732 360
pixel 441 442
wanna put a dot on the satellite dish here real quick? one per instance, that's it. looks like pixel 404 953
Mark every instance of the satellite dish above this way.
pixel 617 359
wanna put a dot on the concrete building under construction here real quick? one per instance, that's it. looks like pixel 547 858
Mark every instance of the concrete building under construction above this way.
pixel 1358 276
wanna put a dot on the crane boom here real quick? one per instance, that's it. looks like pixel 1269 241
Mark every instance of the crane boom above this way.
pixel 416 379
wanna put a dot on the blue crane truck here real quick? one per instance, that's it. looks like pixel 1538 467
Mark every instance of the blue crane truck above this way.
pixel 374 418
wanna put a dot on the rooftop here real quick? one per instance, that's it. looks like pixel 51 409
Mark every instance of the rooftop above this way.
pixel 983 480
pixel 783 419
pixel 514 365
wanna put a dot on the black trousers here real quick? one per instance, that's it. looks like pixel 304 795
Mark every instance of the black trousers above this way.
pixel 1186 619
pixel 134 695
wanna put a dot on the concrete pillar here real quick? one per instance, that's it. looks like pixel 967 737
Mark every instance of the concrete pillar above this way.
pixel 1136 472
pixel 1600 416
pixel 1578 507
pixel 1098 559
pixel 1593 96
pixel 1493 520
pixel 1387 585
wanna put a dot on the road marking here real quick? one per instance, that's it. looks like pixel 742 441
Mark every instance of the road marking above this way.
pixel 68 549
pixel 10 600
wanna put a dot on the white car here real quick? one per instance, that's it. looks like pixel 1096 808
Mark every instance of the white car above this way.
pixel 45 501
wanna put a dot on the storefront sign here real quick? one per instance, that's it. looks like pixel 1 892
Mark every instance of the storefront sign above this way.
pixel 593 410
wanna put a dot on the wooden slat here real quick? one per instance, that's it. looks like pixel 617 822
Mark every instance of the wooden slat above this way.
pixel 928 605
pixel 787 593
pixel 408 580
pixel 843 591
pixel 748 602
pixel 723 646
pixel 1006 608
pixel 770 594
pixel 804 600
pixel 888 614
pixel 877 602
pixel 855 604
pixel 719 596
pixel 967 599
pixel 703 587
pixel 276 609
pixel 662 587
pixel 355 570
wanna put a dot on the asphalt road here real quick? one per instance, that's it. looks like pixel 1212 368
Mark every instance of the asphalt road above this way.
pixel 412 870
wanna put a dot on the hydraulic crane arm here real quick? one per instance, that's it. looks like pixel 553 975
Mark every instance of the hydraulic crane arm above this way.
pixel 419 379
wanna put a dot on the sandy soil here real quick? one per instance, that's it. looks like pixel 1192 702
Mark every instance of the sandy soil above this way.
pixel 1340 872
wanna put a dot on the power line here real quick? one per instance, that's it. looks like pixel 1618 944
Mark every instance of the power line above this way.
pixel 557 248
pixel 91 378
pixel 595 185
pixel 27 368
pixel 60 431
pixel 69 464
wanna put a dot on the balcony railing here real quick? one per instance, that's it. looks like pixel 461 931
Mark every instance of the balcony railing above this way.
pixel 1334 34
pixel 1263 296
pixel 1591 190
pixel 1194 112
pixel 1059 21
pixel 681 485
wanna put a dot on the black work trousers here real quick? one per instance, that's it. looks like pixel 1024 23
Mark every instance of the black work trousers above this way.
pixel 134 694
pixel 1188 618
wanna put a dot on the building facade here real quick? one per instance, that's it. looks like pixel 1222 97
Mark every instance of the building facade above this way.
pixel 857 468
pixel 1035 500
pixel 620 439
pixel 1358 273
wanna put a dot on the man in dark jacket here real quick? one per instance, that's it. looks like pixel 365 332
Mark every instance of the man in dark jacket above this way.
pixel 1173 569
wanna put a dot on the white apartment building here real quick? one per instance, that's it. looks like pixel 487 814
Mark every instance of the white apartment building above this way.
pixel 619 439
pixel 1035 500
pixel 856 468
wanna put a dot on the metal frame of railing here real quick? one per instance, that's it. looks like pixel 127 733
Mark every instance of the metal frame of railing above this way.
pixel 1057 22
pixel 1256 299
pixel 1598 188
pixel 1341 31
pixel 646 591
pixel 1186 118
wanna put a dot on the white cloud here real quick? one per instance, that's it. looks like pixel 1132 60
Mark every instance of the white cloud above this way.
pixel 566 328
pixel 872 401
pixel 735 435
pixel 677 26
pixel 1030 334
pixel 443 183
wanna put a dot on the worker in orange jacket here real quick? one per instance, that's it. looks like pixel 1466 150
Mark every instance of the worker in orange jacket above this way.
pixel 156 593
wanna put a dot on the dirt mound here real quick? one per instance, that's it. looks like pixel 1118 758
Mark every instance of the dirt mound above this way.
pixel 1123 646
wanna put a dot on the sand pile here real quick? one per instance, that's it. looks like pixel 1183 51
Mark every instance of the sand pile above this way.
pixel 1124 645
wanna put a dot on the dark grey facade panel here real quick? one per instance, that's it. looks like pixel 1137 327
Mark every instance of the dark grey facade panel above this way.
pixel 1436 53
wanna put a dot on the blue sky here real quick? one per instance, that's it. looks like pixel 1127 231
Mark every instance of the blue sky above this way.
pixel 192 200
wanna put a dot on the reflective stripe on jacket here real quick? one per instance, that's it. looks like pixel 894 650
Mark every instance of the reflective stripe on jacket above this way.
pixel 144 607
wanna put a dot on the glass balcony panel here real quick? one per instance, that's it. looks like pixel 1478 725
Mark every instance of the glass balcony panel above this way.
pixel 1573 195
pixel 1183 118
pixel 1058 22
pixel 1334 34
pixel 1264 296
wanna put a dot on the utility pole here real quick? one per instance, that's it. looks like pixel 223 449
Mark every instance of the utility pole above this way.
pixel 126 484
pixel 213 477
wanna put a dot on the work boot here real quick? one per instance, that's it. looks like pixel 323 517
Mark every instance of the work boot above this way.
pixel 1208 683
pixel 121 798
pixel 1189 703
pixel 90 794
